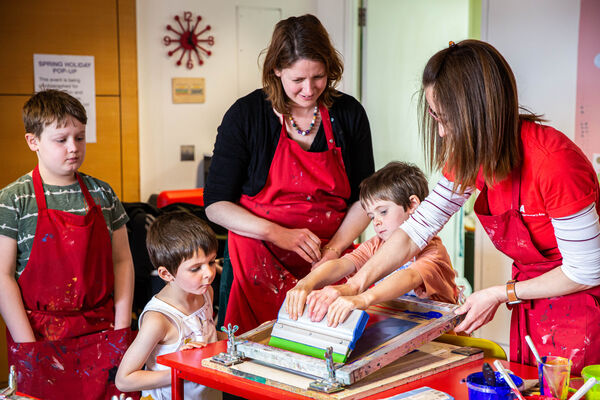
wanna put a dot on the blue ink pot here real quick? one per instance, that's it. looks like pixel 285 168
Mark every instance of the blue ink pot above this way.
pixel 479 390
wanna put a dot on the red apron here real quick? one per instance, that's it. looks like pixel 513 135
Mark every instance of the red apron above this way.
pixel 566 326
pixel 303 190
pixel 67 289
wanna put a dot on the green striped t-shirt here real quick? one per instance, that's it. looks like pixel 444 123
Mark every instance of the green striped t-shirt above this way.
pixel 18 209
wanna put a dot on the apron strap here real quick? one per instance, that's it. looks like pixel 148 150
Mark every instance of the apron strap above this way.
pixel 516 187
pixel 86 193
pixel 40 197
pixel 38 188
pixel 327 126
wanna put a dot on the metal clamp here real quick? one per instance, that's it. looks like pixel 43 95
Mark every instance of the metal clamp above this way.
pixel 329 385
pixel 232 356
pixel 11 390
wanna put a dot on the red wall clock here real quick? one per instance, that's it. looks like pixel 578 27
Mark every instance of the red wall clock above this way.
pixel 188 40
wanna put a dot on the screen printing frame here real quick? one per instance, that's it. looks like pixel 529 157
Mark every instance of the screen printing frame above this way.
pixel 253 343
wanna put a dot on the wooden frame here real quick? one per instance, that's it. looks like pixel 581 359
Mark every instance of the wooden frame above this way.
pixel 433 319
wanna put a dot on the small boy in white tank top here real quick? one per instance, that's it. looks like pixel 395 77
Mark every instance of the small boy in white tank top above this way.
pixel 183 249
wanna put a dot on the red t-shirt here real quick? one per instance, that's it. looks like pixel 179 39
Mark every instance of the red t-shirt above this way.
pixel 557 180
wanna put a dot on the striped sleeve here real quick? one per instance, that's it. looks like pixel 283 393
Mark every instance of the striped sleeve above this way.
pixel 9 213
pixel 112 208
pixel 433 213
pixel 578 239
pixel 119 216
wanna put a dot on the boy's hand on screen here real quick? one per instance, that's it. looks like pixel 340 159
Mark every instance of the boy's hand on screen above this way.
pixel 341 308
pixel 295 300
pixel 192 345
pixel 320 300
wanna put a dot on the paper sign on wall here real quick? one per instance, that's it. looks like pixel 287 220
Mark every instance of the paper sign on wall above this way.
pixel 72 74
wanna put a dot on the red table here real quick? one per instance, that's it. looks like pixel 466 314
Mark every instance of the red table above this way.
pixel 187 365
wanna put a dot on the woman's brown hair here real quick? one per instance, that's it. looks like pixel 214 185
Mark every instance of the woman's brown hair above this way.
pixel 298 38
pixel 475 92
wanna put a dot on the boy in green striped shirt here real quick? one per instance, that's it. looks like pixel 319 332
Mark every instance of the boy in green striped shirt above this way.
pixel 66 270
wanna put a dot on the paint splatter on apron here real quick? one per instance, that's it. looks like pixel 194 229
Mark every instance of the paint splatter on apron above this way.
pixel 303 190
pixel 566 326
pixel 67 290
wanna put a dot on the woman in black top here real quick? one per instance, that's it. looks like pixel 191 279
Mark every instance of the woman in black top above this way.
pixel 285 171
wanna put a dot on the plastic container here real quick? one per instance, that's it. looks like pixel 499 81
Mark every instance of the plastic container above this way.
pixel 479 390
pixel 587 373
pixel 555 374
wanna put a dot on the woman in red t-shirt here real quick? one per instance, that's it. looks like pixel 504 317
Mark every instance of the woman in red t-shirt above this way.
pixel 538 203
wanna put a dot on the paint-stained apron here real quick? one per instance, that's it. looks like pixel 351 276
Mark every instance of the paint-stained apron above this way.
pixel 67 288
pixel 566 326
pixel 303 190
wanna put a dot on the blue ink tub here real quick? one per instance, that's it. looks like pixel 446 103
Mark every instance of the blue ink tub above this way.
pixel 479 390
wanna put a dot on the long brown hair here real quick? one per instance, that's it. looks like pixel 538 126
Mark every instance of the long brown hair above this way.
pixel 298 38
pixel 476 93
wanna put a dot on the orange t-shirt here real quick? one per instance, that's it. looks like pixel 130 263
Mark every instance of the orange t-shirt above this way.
pixel 432 263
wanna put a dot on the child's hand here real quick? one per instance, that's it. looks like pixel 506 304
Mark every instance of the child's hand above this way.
pixel 342 307
pixel 192 345
pixel 320 300
pixel 295 299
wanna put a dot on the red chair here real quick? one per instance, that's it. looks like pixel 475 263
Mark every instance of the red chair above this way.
pixel 191 196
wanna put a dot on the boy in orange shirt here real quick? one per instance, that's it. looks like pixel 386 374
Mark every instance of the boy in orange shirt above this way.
pixel 389 197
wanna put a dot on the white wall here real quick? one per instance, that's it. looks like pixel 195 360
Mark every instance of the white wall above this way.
pixel 400 36
pixel 340 17
pixel 165 126
pixel 539 40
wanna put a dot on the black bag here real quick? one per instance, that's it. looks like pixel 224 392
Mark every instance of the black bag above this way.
pixel 141 216
pixel 199 212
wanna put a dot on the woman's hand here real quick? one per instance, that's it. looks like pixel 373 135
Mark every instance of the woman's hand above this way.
pixel 320 300
pixel 301 241
pixel 295 299
pixel 342 307
pixel 237 219
pixel 480 308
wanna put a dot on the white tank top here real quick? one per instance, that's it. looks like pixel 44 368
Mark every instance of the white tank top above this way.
pixel 198 327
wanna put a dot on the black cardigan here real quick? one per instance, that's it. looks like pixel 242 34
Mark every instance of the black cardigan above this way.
pixel 249 134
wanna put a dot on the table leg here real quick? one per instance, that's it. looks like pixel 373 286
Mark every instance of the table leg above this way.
pixel 176 385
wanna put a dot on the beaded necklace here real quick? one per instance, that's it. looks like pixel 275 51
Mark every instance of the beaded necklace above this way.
pixel 312 123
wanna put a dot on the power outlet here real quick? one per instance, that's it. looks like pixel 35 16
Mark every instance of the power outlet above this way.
pixel 188 152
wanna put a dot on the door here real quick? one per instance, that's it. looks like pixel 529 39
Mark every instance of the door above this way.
pixel 399 37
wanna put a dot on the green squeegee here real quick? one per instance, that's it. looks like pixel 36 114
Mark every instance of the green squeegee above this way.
pixel 304 336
